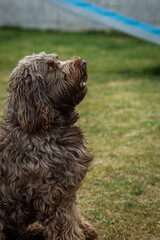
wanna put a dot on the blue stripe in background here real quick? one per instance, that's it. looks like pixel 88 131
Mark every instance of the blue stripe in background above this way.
pixel 115 16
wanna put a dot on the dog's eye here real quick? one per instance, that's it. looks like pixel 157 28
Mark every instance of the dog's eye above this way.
pixel 51 67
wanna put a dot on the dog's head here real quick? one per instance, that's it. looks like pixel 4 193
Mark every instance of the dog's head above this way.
pixel 41 83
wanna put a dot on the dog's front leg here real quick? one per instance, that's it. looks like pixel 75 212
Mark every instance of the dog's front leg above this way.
pixel 64 224
pixel 2 235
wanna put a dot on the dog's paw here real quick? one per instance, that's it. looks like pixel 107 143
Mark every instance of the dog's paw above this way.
pixel 91 235
pixel 34 232
pixel 89 231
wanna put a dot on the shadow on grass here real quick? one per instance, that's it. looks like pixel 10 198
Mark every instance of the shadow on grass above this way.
pixel 152 71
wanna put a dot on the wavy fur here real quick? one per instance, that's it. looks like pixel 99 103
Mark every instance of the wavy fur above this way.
pixel 43 155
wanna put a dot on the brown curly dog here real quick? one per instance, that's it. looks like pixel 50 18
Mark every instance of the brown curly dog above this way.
pixel 43 155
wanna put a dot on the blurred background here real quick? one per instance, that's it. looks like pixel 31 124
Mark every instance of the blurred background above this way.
pixel 121 112
pixel 42 14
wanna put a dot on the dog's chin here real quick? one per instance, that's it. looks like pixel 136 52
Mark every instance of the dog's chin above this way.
pixel 84 90
pixel 81 94
pixel 83 87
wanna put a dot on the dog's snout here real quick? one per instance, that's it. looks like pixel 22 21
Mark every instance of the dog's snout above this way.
pixel 83 64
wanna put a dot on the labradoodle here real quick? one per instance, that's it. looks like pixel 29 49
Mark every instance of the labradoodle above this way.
pixel 43 155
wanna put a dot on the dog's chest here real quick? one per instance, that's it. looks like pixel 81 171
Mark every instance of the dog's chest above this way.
pixel 64 155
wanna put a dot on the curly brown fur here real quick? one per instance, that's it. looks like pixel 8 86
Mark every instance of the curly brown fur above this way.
pixel 43 155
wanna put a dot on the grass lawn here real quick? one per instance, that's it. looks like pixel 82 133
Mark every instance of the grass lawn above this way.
pixel 121 117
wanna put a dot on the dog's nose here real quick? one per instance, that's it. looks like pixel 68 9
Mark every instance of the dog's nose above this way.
pixel 83 64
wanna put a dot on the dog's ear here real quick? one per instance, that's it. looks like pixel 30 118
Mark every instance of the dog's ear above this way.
pixel 31 103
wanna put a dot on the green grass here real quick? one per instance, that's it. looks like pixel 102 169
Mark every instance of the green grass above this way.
pixel 121 117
